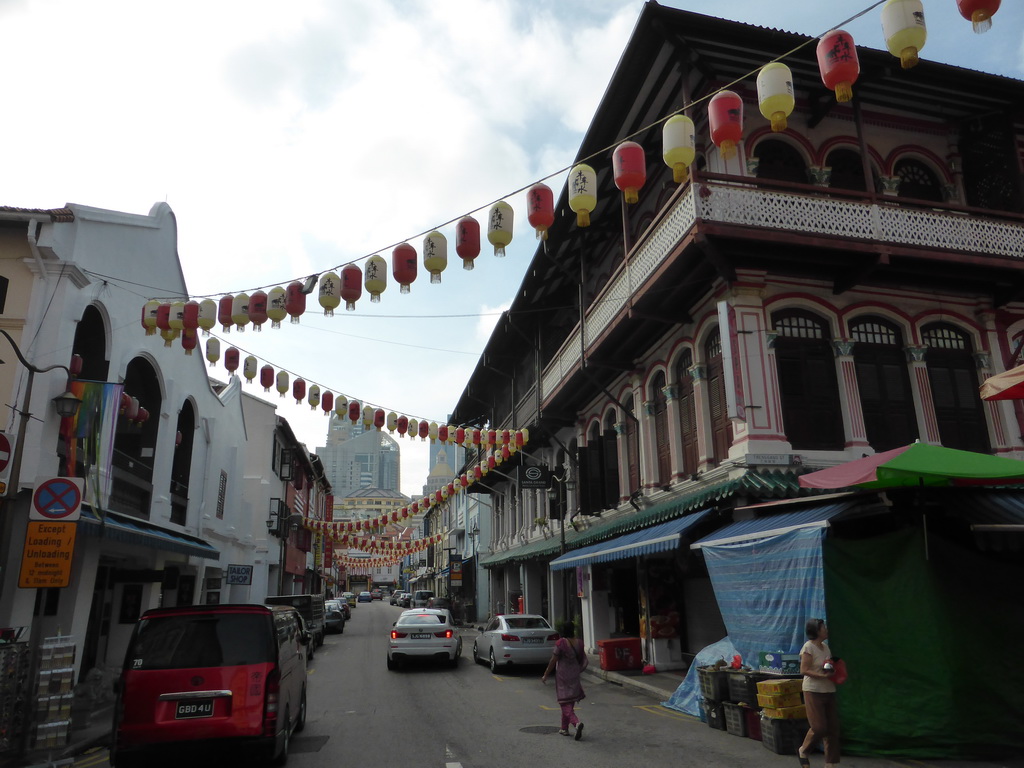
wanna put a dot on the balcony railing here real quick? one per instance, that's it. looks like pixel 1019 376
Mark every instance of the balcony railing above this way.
pixel 829 214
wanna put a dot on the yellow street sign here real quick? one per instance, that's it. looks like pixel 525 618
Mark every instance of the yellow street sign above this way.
pixel 46 558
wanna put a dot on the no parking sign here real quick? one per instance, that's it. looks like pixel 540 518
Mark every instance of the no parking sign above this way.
pixel 57 499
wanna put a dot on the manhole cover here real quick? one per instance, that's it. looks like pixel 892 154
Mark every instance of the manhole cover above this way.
pixel 301 744
pixel 540 729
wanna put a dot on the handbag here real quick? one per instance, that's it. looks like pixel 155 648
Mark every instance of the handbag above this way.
pixel 840 675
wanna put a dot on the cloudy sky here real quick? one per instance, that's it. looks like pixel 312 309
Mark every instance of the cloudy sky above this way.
pixel 292 138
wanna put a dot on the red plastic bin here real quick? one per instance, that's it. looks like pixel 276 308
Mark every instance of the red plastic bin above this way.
pixel 620 653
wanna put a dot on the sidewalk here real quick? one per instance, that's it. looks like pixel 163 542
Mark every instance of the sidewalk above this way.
pixel 660 685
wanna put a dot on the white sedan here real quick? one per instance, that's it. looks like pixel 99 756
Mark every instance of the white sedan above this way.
pixel 518 638
pixel 424 633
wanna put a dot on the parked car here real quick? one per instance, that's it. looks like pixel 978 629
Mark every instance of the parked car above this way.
pixel 520 638
pixel 350 598
pixel 404 599
pixel 439 602
pixel 365 597
pixel 376 594
pixel 395 597
pixel 345 607
pixel 420 598
pixel 424 634
pixel 311 607
pixel 201 677
pixel 334 616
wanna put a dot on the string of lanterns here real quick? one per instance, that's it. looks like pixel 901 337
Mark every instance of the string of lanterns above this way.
pixel 905 33
pixel 371 546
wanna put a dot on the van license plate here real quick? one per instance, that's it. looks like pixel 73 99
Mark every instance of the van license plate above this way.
pixel 186 710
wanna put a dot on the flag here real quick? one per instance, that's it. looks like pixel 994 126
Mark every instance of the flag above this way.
pixel 94 425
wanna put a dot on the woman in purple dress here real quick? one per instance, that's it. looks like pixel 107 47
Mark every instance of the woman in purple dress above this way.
pixel 568 660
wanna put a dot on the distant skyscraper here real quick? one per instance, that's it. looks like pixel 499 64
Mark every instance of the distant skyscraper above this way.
pixel 356 458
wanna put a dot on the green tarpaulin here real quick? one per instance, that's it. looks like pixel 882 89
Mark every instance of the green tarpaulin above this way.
pixel 932 646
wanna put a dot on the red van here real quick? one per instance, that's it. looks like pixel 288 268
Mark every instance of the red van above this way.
pixel 198 678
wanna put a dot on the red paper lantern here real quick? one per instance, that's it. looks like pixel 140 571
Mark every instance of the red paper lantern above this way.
pixel 442 433
pixel 190 316
pixel 467 240
pixel 231 359
pixel 126 403
pixel 355 411
pixel 725 115
pixel 163 317
pixel 189 339
pixel 267 377
pixel 492 437
pixel 838 63
pixel 298 390
pixel 629 166
pixel 506 454
pixel 540 205
pixel 402 425
pixel 327 403
pixel 475 437
pixel 224 307
pixel 142 416
pixel 351 285
pixel 978 12
pixel 424 429
pixel 460 435
pixel 294 301
pixel 379 418
pixel 258 309
pixel 75 366
pixel 403 266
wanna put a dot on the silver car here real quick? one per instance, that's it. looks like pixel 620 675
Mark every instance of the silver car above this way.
pixel 424 633
pixel 520 638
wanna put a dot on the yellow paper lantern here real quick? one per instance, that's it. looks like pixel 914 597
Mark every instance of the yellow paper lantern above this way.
pixel 904 29
pixel 275 306
pixel 435 255
pixel 249 368
pixel 240 311
pixel 582 193
pixel 314 397
pixel 207 315
pixel 775 96
pixel 499 226
pixel 213 351
pixel 376 277
pixel 282 383
pixel 176 320
pixel 149 316
pixel 330 292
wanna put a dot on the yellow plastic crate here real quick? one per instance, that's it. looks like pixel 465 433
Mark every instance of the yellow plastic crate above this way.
pixel 775 687
pixel 786 713
pixel 779 700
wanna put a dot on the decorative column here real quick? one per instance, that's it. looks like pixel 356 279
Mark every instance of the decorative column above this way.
pixel 927 424
pixel 993 416
pixel 622 459
pixel 821 175
pixel 702 406
pixel 648 447
pixel 890 185
pixel 849 395
pixel 675 434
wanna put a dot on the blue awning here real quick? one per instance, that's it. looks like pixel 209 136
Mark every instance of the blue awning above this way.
pixel 658 538
pixel 117 528
pixel 773 525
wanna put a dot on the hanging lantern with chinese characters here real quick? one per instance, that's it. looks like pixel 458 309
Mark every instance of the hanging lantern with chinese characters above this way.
pixel 330 297
pixel 276 311
pixel 351 285
pixel 190 316
pixel 340 406
pixel 775 95
pixel 354 411
pixel 435 255
pixel 230 358
pixel 392 422
pixel 402 425
pixel 442 433
pixel 294 301
pixel 379 419
pixel 163 317
pixel 240 311
pixel 540 207
pixel 904 29
pixel 367 416
pixel 169 335
pixel 414 428
pixel 979 13
pixel 403 266
pixel 327 403
pixel 838 63
pixel 582 193
pixel 467 240
pixel 267 377
pixel 376 280
pixel 679 146
pixel 176 317
pixel 224 313
pixel 258 310
pixel 725 115
pixel 207 315
pixel 299 390
pixel 499 226
pixel 189 339
pixel 249 366
pixel 282 383
pixel 629 168
pixel 314 397
pixel 149 310
pixel 432 431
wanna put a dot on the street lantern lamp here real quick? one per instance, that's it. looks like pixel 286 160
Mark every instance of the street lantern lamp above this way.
pixel 67 404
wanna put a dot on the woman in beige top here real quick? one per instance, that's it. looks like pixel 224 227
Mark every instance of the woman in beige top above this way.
pixel 819 696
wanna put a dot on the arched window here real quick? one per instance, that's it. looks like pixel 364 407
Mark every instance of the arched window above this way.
pixel 610 449
pixel 918 181
pixel 591 464
pixel 780 161
pixel 848 171
pixel 181 465
pixel 687 411
pixel 808 386
pixel 954 381
pixel 135 444
pixel 884 383
pixel 721 427
pixel 663 445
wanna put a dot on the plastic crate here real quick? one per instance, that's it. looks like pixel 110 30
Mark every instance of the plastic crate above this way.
pixel 715 713
pixel 782 737
pixel 714 684
pixel 753 718
pixel 618 654
pixel 743 687
pixel 735 720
